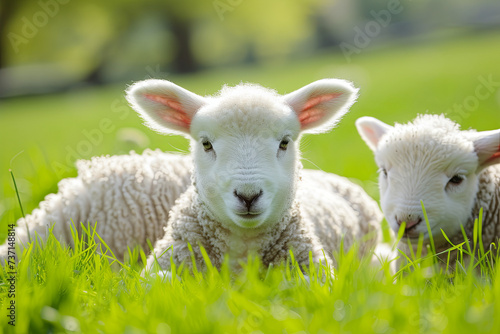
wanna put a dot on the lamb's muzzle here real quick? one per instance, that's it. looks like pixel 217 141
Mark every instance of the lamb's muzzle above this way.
pixel 249 202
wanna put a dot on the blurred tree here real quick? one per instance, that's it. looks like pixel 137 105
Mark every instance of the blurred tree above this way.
pixel 239 30
pixel 274 27
pixel 91 41
pixel 121 14
pixel 178 17
pixel 181 17
pixel 8 11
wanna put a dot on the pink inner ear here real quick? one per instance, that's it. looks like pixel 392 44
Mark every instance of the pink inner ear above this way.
pixel 372 135
pixel 493 157
pixel 312 102
pixel 174 113
pixel 311 113
pixel 310 116
pixel 369 133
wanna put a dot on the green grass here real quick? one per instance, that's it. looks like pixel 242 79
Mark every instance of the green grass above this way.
pixel 85 290
pixel 60 289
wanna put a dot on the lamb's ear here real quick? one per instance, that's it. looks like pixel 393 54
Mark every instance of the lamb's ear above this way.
pixel 371 130
pixel 164 106
pixel 487 147
pixel 321 104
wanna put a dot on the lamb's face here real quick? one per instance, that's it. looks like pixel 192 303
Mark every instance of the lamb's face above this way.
pixel 428 161
pixel 245 159
pixel 244 140
pixel 442 175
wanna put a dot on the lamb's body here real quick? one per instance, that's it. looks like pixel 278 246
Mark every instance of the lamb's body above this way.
pixel 328 208
pixel 129 196
pixel 339 211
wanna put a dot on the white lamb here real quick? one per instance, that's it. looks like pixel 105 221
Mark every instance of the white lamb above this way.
pixel 130 196
pixel 455 173
pixel 247 193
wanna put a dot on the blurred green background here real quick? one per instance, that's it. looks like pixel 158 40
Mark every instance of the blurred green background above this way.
pixel 64 65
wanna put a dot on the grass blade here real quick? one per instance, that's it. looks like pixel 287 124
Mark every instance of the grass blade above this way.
pixel 431 239
pixel 20 204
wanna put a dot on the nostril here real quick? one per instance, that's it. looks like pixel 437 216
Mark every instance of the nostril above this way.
pixel 409 222
pixel 256 196
pixel 414 222
pixel 248 199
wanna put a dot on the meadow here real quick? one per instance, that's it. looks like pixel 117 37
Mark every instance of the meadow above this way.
pixel 62 290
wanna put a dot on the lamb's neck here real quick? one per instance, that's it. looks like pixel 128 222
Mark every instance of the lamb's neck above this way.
pixel 487 198
pixel 238 243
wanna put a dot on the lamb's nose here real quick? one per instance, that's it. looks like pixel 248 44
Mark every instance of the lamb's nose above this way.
pixel 248 199
pixel 410 221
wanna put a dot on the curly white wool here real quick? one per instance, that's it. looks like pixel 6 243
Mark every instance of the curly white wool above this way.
pixel 454 173
pixel 129 196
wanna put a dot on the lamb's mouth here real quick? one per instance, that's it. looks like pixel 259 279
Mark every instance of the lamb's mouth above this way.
pixel 414 236
pixel 411 233
pixel 249 215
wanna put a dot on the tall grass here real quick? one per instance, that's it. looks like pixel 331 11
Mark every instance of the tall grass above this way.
pixel 85 289
pixel 468 256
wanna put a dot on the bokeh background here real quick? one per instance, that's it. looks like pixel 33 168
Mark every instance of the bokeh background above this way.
pixel 64 65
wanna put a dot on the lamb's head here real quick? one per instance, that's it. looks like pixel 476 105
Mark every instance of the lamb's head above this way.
pixel 244 140
pixel 432 161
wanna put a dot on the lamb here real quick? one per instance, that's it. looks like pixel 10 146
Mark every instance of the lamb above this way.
pixel 249 192
pixel 454 173
pixel 129 196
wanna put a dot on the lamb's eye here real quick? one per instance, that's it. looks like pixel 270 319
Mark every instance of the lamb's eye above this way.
pixel 456 180
pixel 383 171
pixel 284 144
pixel 207 146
